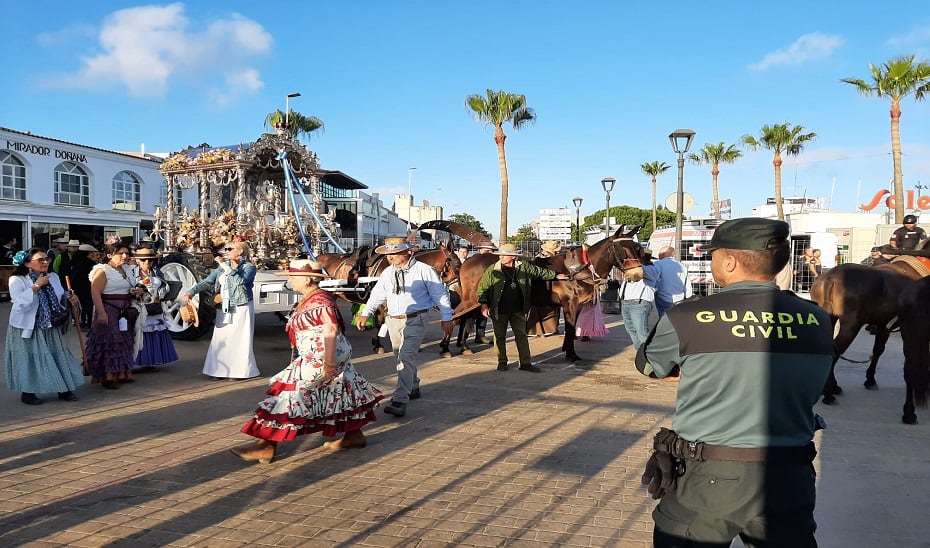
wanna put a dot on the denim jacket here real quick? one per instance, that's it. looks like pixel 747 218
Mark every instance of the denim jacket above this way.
pixel 239 283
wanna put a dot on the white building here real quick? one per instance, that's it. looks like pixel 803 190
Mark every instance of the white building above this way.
pixel 416 214
pixel 377 221
pixel 51 189
pixel 555 224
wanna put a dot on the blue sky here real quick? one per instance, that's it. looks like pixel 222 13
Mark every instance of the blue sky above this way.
pixel 608 81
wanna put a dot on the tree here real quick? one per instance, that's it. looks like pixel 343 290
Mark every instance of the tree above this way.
pixel 654 169
pixel 297 123
pixel 525 233
pixel 471 222
pixel 496 109
pixel 896 79
pixel 632 216
pixel 780 139
pixel 715 155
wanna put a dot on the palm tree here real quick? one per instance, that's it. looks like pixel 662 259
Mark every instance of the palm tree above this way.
pixel 896 79
pixel 715 155
pixel 779 138
pixel 297 123
pixel 654 169
pixel 496 109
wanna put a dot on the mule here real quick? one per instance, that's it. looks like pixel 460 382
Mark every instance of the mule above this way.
pixel 619 251
pixel 856 295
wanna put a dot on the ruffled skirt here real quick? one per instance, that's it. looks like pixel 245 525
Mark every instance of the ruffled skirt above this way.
pixel 40 364
pixel 109 350
pixel 157 349
pixel 590 322
pixel 302 402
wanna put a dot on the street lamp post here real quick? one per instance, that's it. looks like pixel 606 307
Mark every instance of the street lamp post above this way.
pixel 287 111
pixel 608 185
pixel 409 195
pixel 577 201
pixel 681 140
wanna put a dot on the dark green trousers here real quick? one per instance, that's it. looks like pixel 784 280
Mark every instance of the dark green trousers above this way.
pixel 716 501
pixel 517 323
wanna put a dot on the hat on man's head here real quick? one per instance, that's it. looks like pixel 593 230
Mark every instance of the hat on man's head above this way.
pixel 86 247
pixel 393 244
pixel 877 248
pixel 74 243
pixel 487 246
pixel 304 267
pixel 550 246
pixel 749 234
pixel 144 253
pixel 509 250
pixel 60 241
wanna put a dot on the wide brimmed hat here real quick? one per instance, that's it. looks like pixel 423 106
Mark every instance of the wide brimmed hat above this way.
pixel 509 250
pixel 486 246
pixel 60 241
pixel 550 246
pixel 392 245
pixel 303 267
pixel 74 243
pixel 86 247
pixel 189 314
pixel 144 253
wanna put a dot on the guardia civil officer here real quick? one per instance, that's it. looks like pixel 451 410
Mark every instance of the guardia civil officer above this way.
pixel 753 361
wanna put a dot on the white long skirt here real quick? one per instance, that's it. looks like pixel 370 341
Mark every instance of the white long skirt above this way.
pixel 230 354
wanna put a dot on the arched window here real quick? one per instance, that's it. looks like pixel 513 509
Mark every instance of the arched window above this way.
pixel 72 185
pixel 126 188
pixel 163 193
pixel 12 177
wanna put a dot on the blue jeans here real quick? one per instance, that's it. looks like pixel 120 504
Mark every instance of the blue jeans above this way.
pixel 636 319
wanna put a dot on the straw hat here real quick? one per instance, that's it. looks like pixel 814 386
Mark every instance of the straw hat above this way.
pixel 144 253
pixel 392 245
pixel 74 243
pixel 189 314
pixel 508 249
pixel 303 267
pixel 87 247
pixel 60 241
pixel 550 247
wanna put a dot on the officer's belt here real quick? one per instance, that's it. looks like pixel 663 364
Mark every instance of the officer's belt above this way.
pixel 700 451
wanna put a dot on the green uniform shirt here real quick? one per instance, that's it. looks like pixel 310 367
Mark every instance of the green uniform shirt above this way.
pixel 753 363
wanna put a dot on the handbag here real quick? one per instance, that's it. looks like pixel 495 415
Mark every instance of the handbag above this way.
pixel 131 315
pixel 63 316
pixel 154 309
pixel 218 301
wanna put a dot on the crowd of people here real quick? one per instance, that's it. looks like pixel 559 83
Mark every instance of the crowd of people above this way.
pixel 760 438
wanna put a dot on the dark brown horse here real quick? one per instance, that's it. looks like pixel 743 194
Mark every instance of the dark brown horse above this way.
pixel 619 251
pixel 915 333
pixel 856 295
pixel 363 263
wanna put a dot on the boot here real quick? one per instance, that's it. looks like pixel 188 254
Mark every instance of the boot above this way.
pixel 261 451
pixel 481 339
pixel 355 438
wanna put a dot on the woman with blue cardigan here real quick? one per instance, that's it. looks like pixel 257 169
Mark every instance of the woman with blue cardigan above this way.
pixel 230 355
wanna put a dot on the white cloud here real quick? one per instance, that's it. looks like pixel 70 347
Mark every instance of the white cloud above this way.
pixel 810 47
pixel 919 36
pixel 148 49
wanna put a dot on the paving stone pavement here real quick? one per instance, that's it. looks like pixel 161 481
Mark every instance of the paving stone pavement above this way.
pixel 485 458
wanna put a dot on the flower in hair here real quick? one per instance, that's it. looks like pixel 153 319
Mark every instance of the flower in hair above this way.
pixel 113 239
pixel 20 258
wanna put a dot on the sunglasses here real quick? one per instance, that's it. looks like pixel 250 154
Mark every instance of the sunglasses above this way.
pixel 145 260
pixel 229 248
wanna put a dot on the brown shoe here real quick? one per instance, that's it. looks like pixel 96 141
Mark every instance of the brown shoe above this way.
pixel 263 452
pixel 348 441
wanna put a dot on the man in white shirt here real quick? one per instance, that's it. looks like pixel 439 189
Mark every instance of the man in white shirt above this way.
pixel 410 288
pixel 671 280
